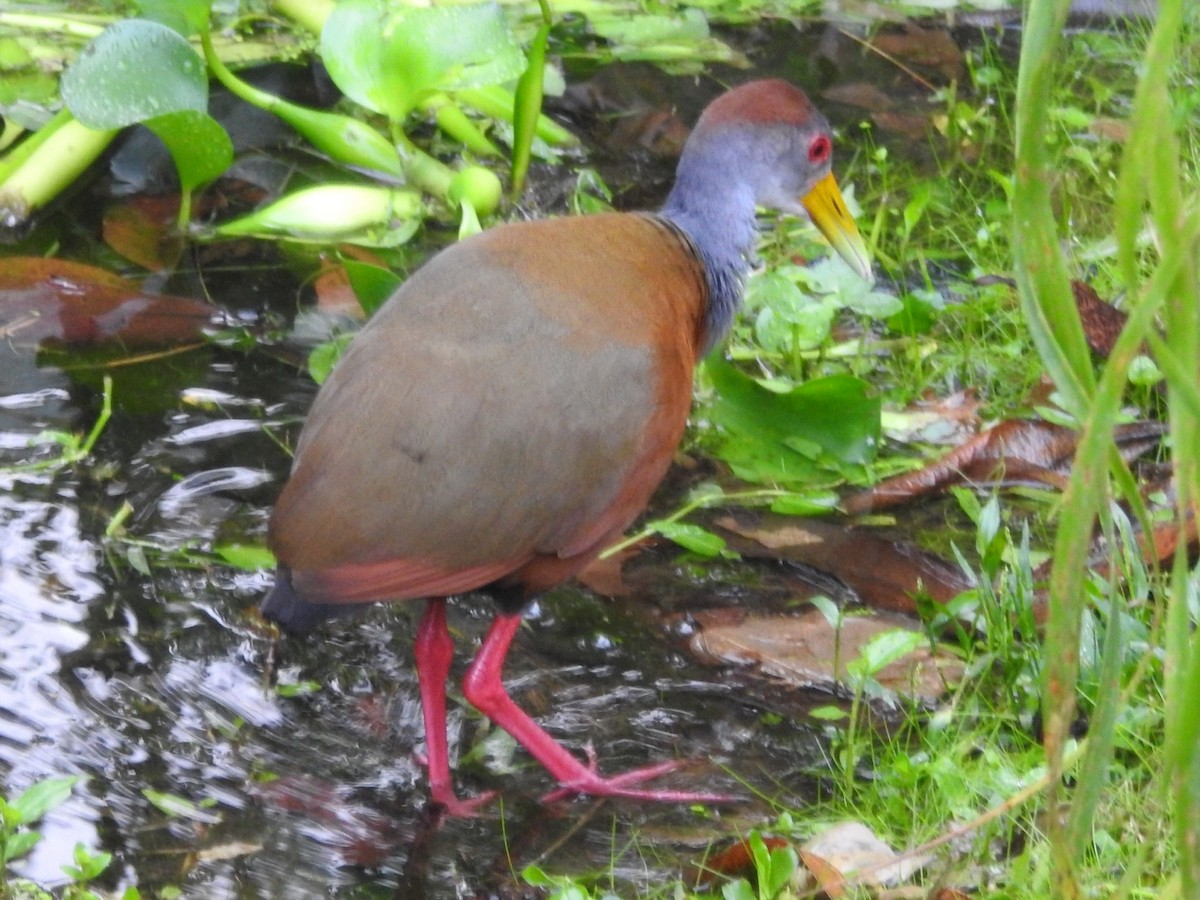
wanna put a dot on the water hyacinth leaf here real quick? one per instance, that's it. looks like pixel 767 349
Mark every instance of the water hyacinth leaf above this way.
pixel 199 146
pixel 342 138
pixel 135 70
pixel 371 284
pixel 629 32
pixel 389 58
pixel 362 214
pixel 185 16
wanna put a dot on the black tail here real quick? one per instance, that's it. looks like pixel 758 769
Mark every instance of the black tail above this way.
pixel 285 607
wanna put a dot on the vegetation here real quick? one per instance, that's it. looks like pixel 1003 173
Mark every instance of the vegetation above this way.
pixel 1065 763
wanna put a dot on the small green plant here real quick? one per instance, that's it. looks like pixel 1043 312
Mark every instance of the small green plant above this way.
pixel 74 448
pixel 18 838
pixel 773 872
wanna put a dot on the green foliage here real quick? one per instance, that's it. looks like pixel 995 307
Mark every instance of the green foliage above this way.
pixel 389 58
pixel 803 435
pixel 17 838
pixel 135 70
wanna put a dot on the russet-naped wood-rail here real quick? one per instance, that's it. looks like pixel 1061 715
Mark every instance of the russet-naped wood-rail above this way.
pixel 508 412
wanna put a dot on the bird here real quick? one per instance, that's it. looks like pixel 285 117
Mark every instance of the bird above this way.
pixel 507 413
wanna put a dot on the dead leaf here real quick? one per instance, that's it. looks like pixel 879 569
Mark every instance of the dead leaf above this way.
pixel 355 833
pixel 231 850
pixel 906 125
pixel 143 230
pixel 848 848
pixel 1018 449
pixel 882 573
pixel 1111 129
pixel 861 94
pixel 734 861
pixel 57 302
pixel 930 48
pixel 803 650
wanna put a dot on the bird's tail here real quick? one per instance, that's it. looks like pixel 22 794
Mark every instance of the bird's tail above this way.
pixel 293 614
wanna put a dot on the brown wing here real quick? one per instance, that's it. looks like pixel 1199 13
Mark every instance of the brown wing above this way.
pixel 504 414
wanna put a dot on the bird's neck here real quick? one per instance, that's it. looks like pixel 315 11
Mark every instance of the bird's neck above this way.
pixel 717 216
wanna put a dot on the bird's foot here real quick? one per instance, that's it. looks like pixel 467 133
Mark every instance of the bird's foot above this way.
pixel 453 807
pixel 623 785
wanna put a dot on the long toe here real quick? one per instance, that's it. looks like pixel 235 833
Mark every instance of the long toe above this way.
pixel 625 785
pixel 454 808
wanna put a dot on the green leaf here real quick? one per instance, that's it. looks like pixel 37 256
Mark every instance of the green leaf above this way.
pixel 185 16
pixel 247 557
pixel 828 713
pixel 17 845
pixel 691 537
pixel 135 70
pixel 528 106
pixel 789 437
pixel 390 58
pixel 176 806
pixel 298 689
pixel 42 797
pixel 324 357
pixel 884 649
pixel 88 865
pixel 372 285
pixel 643 30
pixel 198 144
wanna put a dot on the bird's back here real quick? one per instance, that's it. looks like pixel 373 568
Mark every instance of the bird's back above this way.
pixel 501 418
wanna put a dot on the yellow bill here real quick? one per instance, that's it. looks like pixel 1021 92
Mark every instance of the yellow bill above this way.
pixel 827 209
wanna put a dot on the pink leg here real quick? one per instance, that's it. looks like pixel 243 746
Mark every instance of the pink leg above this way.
pixel 484 689
pixel 434 651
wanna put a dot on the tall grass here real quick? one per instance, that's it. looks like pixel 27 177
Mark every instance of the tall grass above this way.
pixel 1163 290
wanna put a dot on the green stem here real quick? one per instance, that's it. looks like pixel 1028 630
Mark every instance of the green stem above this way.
pixel 40 168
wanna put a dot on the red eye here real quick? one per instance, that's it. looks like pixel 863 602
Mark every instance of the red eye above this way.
pixel 819 149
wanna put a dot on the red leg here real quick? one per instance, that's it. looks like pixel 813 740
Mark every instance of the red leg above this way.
pixel 434 651
pixel 484 689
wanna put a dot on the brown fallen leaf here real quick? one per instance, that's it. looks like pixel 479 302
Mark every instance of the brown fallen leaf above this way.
pixel 58 302
pixel 862 94
pixel 882 573
pixel 906 125
pixel 735 861
pixel 849 853
pixel 1102 322
pixel 1018 449
pixel 929 48
pixel 230 850
pixel 806 651
pixel 143 230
